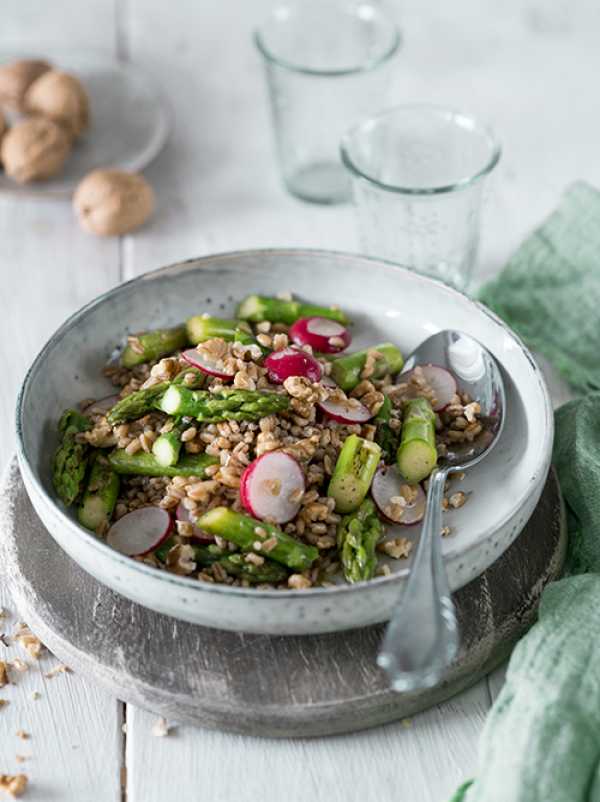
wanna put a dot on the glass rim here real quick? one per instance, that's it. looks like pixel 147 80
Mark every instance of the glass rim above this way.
pixel 291 66
pixel 472 122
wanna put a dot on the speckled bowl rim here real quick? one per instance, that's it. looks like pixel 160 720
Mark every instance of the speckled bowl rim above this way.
pixel 205 587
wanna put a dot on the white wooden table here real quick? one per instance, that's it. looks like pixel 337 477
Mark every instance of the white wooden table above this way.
pixel 531 69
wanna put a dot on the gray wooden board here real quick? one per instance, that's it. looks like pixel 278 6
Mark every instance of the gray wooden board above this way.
pixel 255 684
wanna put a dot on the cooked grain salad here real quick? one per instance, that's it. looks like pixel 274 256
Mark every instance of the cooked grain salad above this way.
pixel 258 451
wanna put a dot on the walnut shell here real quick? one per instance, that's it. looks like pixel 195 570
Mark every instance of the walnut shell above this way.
pixel 16 78
pixel 34 149
pixel 113 202
pixel 62 98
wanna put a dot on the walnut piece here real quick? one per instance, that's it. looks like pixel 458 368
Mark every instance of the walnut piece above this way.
pixel 16 78
pixel 34 149
pixel 113 202
pixel 14 784
pixel 59 97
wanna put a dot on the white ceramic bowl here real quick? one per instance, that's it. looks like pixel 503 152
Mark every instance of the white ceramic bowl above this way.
pixel 386 303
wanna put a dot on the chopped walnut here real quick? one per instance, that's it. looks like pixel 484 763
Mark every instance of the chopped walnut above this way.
pixel 14 784
pixel 457 500
pixel 61 668
pixel 298 582
pixel 160 728
pixel 398 548
pixel 180 560
pixel 24 736
pixel 4 680
pixel 29 641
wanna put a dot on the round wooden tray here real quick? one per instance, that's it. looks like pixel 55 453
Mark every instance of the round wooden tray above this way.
pixel 255 684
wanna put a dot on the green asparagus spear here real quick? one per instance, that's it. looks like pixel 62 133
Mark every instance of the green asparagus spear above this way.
pixel 71 458
pixel 245 531
pixel 230 404
pixel 417 454
pixel 346 370
pixel 142 402
pixel 167 447
pixel 151 345
pixel 353 473
pixel 147 464
pixel 269 571
pixel 137 404
pixel 257 308
pixel 234 564
pixel 385 436
pixel 203 327
pixel 357 537
pixel 100 495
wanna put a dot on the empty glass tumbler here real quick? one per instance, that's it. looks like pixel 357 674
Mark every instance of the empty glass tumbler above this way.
pixel 418 175
pixel 325 63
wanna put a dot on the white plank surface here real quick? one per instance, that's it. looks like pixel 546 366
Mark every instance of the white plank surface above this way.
pixel 48 269
pixel 531 69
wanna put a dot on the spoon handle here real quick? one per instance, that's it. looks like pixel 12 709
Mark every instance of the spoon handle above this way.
pixel 422 637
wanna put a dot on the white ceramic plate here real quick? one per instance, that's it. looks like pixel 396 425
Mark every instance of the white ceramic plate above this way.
pixel 386 303
pixel 129 120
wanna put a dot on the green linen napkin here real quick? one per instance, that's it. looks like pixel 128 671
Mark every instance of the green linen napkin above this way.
pixel 541 741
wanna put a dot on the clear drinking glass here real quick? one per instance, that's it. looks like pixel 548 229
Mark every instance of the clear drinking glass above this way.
pixel 325 63
pixel 418 174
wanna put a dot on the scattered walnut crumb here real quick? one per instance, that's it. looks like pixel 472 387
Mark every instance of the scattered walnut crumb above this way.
pixel 446 530
pixel 457 500
pixel 14 784
pixel 3 612
pixel 19 665
pixel 61 668
pixel 298 582
pixel 3 702
pixel 24 736
pixel 30 642
pixel 160 728
pixel 4 680
pixel 21 758
pixel 384 570
pixel 35 695
pixel 398 548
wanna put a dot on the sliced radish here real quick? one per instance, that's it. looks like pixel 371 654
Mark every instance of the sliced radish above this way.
pixel 101 406
pixel 387 484
pixel 272 487
pixel 348 410
pixel 140 532
pixel 182 514
pixel 441 381
pixel 209 366
pixel 324 335
pixel 327 381
pixel 292 361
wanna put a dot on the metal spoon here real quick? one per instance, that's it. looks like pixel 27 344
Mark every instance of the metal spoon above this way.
pixel 422 637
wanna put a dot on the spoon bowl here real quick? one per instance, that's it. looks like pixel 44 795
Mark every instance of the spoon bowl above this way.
pixel 422 637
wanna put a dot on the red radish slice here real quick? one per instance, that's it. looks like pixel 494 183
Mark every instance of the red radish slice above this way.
pixel 140 532
pixel 387 484
pixel 182 514
pixel 102 406
pixel 272 487
pixel 441 381
pixel 291 361
pixel 346 411
pixel 324 335
pixel 208 366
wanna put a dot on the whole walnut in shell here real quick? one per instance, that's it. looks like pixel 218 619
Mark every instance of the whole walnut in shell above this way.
pixel 34 149
pixel 62 98
pixel 16 78
pixel 113 202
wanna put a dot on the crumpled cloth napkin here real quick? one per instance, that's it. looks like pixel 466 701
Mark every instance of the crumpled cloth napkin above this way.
pixel 541 741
